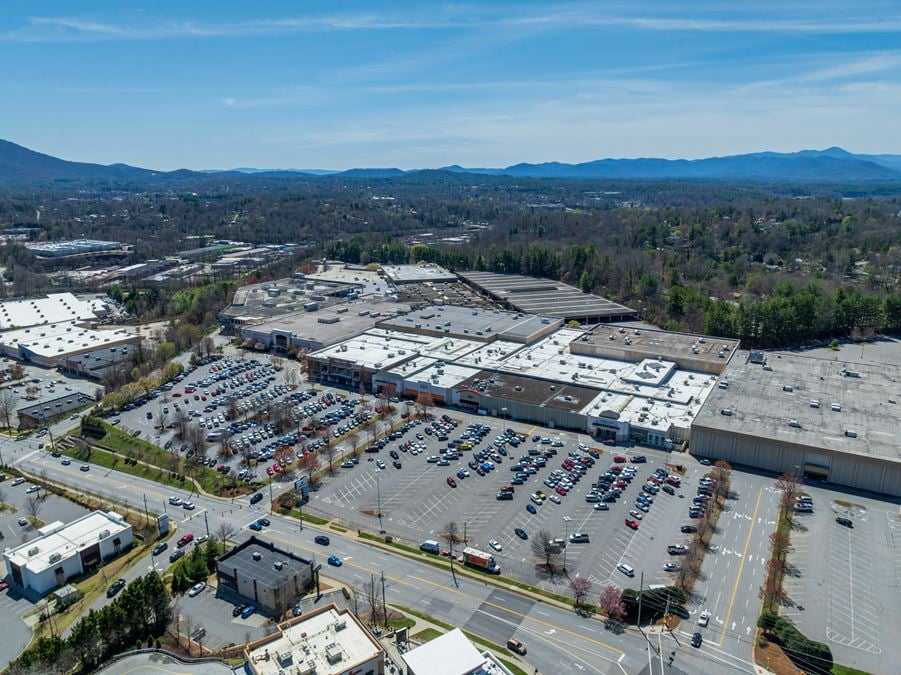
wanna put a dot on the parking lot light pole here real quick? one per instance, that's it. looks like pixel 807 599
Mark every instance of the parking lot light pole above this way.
pixel 504 417
pixel 565 543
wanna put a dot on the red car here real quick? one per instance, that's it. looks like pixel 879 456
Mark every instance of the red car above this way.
pixel 609 441
pixel 451 482
pixel 654 480
pixel 561 490
pixel 3 585
pixel 621 484
pixel 185 540
pixel 619 459
pixel 632 523
pixel 269 471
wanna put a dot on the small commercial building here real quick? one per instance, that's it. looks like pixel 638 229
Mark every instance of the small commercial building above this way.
pixel 98 364
pixel 328 641
pixel 452 654
pixel 65 551
pixel 271 578
pixel 46 412
pixel 819 417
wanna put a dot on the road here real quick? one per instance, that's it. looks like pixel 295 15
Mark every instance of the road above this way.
pixel 559 640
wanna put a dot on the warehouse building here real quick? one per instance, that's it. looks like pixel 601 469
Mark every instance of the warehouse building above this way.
pixel 65 551
pixel 269 577
pixel 61 249
pixel 327 641
pixel 819 417
pixel 547 297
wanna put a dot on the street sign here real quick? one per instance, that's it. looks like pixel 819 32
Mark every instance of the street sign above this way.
pixel 162 523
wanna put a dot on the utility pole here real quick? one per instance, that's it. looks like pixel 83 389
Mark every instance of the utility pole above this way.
pixel 206 524
pixel 566 544
pixel 464 533
pixel 270 496
pixel 378 489
pixel 384 605
pixel 640 591
pixel 146 515
pixel 300 507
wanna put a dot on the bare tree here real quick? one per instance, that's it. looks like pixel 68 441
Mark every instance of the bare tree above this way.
pixel 33 508
pixel 8 401
pixel 372 598
pixel 224 531
pixel 451 535
pixel 17 371
pixel 722 474
pixel 546 551
pixel 291 377
pixel 180 419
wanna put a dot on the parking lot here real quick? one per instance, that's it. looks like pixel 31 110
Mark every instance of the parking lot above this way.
pixel 843 583
pixel 52 508
pixel 417 502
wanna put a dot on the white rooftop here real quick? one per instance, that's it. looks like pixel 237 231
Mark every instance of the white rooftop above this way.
pixel 50 309
pixel 326 643
pixel 449 654
pixel 58 339
pixel 64 540
pixel 442 375
pixel 418 272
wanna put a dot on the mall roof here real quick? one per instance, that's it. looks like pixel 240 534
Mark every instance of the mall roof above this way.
pixel 546 393
pixel 331 324
pixel 59 339
pixel 545 296
pixel 66 540
pixel 402 274
pixel 809 401
pixel 473 323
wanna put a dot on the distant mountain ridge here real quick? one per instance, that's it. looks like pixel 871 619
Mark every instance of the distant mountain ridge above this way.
pixel 19 165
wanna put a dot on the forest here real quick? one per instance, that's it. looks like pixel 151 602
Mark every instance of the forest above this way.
pixel 773 264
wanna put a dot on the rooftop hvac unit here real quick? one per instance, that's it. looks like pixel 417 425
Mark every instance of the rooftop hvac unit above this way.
pixel 794 423
pixel 278 565
pixel 56 557
pixel 103 534
pixel 340 624
pixel 33 551
pixel 814 403
pixel 836 407
pixel 257 556
pixel 726 411
pixel 787 387
pixel 850 433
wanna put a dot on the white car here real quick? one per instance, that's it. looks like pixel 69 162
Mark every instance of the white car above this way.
pixel 704 618
pixel 197 589
pixel 635 514
pixel 32 489
pixel 554 498
pixel 495 544
pixel 175 501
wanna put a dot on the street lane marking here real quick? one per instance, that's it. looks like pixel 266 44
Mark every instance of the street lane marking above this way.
pixel 740 567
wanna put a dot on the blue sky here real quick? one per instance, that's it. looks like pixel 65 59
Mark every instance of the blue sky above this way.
pixel 424 84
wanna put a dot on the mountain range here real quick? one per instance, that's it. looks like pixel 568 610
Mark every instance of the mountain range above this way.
pixel 19 165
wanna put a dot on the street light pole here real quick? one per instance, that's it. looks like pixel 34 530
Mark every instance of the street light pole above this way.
pixel 565 543
pixel 378 489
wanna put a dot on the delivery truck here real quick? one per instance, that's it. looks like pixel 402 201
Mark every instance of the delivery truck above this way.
pixel 480 560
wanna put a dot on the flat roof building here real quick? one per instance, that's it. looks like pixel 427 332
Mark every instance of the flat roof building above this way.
pixel 833 422
pixel 53 308
pixel 473 323
pixel 45 345
pixel 61 249
pixel 257 303
pixel 452 654
pixel 44 412
pixel 65 551
pixel 271 578
pixel 310 331
pixel 548 297
pixel 701 353
pixel 98 364
pixel 328 641
pixel 420 272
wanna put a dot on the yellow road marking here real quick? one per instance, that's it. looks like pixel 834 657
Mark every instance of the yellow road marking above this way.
pixel 741 567
pixel 465 595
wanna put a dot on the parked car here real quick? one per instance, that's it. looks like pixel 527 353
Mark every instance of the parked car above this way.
pixel 632 524
pixel 521 533
pixel 197 589
pixel 115 587
pixel 846 522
